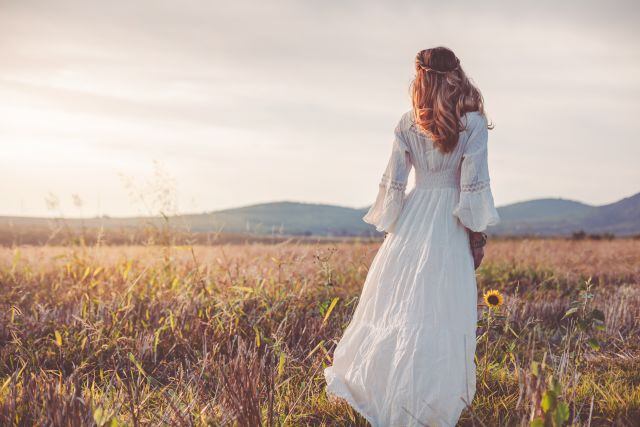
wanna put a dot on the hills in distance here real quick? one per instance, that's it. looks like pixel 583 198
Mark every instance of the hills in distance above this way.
pixel 544 217
pixel 547 217
pixel 539 217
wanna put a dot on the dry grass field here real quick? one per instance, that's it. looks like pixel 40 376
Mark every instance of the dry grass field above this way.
pixel 239 334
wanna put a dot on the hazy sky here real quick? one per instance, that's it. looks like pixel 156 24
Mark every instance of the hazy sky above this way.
pixel 246 102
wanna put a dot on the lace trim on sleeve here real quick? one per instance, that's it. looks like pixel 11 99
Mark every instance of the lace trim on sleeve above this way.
pixel 385 211
pixel 476 209
pixel 474 187
pixel 391 184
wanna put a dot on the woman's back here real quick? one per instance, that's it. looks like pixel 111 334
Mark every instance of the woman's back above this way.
pixel 462 172
pixel 433 167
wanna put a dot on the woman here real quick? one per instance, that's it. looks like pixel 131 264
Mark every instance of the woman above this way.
pixel 407 356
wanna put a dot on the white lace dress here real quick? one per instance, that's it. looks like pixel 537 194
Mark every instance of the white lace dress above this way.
pixel 407 356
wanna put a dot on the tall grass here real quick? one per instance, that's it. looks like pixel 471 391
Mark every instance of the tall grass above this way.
pixel 239 335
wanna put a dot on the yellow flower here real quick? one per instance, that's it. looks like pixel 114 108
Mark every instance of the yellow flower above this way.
pixel 493 298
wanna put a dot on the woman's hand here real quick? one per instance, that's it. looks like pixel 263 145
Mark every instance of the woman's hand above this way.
pixel 478 254
pixel 477 240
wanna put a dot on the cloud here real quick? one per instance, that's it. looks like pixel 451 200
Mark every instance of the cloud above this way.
pixel 311 90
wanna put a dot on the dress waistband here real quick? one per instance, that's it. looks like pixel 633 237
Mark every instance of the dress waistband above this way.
pixel 448 178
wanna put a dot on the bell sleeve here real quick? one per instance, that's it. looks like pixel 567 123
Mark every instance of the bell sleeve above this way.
pixel 476 209
pixel 386 209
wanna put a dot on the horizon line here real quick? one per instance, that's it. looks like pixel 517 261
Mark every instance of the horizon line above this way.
pixel 206 212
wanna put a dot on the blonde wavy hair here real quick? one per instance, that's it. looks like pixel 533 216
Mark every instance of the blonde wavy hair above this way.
pixel 441 94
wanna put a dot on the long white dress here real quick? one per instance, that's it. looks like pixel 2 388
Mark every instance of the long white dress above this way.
pixel 407 356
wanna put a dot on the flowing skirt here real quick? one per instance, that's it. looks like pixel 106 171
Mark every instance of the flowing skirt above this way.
pixel 407 356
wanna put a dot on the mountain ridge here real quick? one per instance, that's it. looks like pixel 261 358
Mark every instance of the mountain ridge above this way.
pixel 542 217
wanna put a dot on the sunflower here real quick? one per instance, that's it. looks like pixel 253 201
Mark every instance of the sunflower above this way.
pixel 493 298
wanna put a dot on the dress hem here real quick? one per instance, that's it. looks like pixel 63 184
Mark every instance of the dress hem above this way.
pixel 335 387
